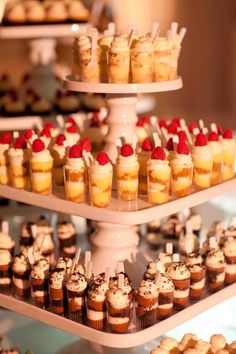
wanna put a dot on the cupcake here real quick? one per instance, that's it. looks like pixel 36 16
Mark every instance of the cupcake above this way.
pixel 67 239
pixel 40 106
pixel 14 105
pixel 76 285
pixel 196 266
pixel 5 141
pixel 118 309
pixel 16 14
pixel 5 271
pixel 165 297
pixel 146 297
pixel 58 153
pixel 96 302
pixel 39 283
pixel 180 275
pixel 21 277
pixel 215 268
pixel 229 250
pixel 67 102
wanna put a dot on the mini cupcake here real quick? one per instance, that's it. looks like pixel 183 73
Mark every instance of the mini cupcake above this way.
pixel 16 14
pixel 165 297
pixel 67 102
pixel 77 11
pixel 40 106
pixel 39 283
pixel 57 290
pixel 180 275
pixel 96 302
pixel 5 271
pixel 36 13
pixel 76 286
pixel 229 250
pixel 21 277
pixel 146 302
pixel 67 239
pixel 118 310
pixel 197 268
pixel 56 12
pixel 215 268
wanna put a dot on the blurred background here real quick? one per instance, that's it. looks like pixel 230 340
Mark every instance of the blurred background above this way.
pixel 207 60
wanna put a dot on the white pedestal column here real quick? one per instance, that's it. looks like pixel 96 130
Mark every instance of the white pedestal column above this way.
pixel 121 119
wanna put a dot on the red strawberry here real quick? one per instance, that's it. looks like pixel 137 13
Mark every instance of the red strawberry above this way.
pixel 71 120
pixel 20 142
pixel 201 140
pixel 38 145
pixel 182 148
pixel 46 132
pixel 126 150
pixel 6 138
pixel 228 134
pixel 176 120
pixel 213 136
pixel 95 121
pixel 147 145
pixel 86 144
pixel 75 152
pixel 72 129
pixel 172 128
pixel 192 126
pixel 145 119
pixel 219 129
pixel 159 153
pixel 182 135
pixel 102 158
pixel 170 145
pixel 29 133
pixel 162 123
pixel 49 126
pixel 60 139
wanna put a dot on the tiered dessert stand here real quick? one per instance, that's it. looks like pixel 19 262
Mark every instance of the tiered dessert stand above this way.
pixel 115 238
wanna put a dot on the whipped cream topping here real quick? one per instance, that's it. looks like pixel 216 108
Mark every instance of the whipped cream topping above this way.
pixel 230 247
pixel 76 282
pixel 164 283
pixel 216 147
pixel 178 271
pixel 84 42
pixel 6 241
pixel 127 287
pixel 95 168
pixel 41 156
pixel 5 257
pixel 158 165
pixel 117 298
pixel 105 41
pixel 193 259
pixel 98 288
pixel 143 44
pixel 168 344
pixel 20 264
pixel 57 278
pixel 75 163
pixel 181 159
pixel 59 150
pixel 64 263
pixel 23 153
pixel 202 153
pixel 128 160
pixel 215 258
pixel 148 289
pixel 40 269
pixel 119 44
pixel 228 145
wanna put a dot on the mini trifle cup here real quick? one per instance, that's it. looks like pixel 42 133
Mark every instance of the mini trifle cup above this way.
pixel 181 171
pixel 67 239
pixel 74 175
pixel 165 296
pixel 142 60
pixel 127 286
pixel 41 163
pixel 162 59
pixel 146 298
pixel 57 291
pixel 76 285
pixel 175 52
pixel 96 302
pixel 229 250
pixel 100 181
pixel 203 161
pixel 215 270
pixel 5 141
pixel 88 60
pixel 180 275
pixel 39 283
pixel 158 172
pixel 118 60
pixel 21 277
pixel 5 271
pixel 118 310
pixel 229 148
pixel 143 156
pixel 58 153
pixel 104 43
pixel 127 169
pixel 197 268
pixel 19 163
pixel 217 153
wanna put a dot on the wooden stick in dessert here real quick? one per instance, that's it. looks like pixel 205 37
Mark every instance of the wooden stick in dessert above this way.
pixel 157 276
pixel 155 124
pixel 75 260
pixel 120 267
pixel 156 139
pixel 159 266
pixel 195 131
pixel 121 280
pixel 182 33
pixel 118 145
pixel 201 124
pixel 155 29
pixel 107 274
pixel 87 258
pixel 214 128
pixel 205 130
pixel 213 243
pixel 173 29
pixel 88 270
pixel 5 227
pixel 130 37
pixel 111 28
pixel 185 129
pixel 16 134
pixel 164 133
pixel 169 248
pixel 30 255
pixel 60 121
pixel 176 258
pixel 175 142
pixel 34 230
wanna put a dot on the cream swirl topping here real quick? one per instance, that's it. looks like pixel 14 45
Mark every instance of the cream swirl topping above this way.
pixel 84 42
pixel 41 156
pixel 164 283
pixel 215 147
pixel 181 159
pixel 162 44
pixel 178 271
pixel 76 282
pixel 117 298
pixel 159 165
pixel 128 160
pixel 40 270
pixel 148 289
pixel 20 264
pixel 230 247
pixel 215 258
pixel 5 257
pixel 95 168
pixel 143 44
pixel 6 241
pixel 75 163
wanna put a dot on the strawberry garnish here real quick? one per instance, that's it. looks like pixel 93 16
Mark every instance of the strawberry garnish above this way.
pixel 60 139
pixel 102 158
pixel 170 145
pixel 213 136
pixel 182 135
pixel 86 144
pixel 72 129
pixel 147 145
pixel 228 134
pixel 182 148
pixel 126 150
pixel 38 145
pixel 200 140
pixel 192 126
pixel 20 142
pixel 29 133
pixel 46 132
pixel 75 152
pixel 6 138
pixel 159 153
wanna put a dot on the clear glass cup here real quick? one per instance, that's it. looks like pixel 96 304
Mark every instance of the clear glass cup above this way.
pixel 181 179
pixel 127 181
pixel 100 187
pixel 158 184
pixel 142 66
pixel 74 181
pixel 118 67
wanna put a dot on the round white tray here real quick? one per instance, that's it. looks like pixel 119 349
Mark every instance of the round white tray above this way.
pixel 70 83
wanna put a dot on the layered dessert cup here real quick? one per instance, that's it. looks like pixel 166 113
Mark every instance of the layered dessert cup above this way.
pixel 165 296
pixel 142 60
pixel 76 286
pixel 5 141
pixel 229 249
pixel 39 283
pixel 146 297
pixel 57 290
pixel 58 153
pixel 217 153
pixel 21 277
pixel 118 60
pixel 162 59
pixel 215 270
pixel 67 239
pixel 228 147
pixel 197 268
